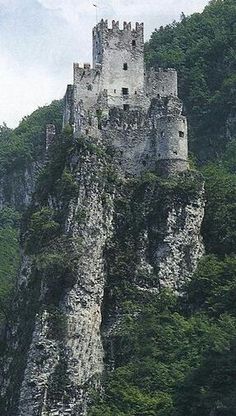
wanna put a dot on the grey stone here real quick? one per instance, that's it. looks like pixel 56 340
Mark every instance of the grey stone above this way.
pixel 148 128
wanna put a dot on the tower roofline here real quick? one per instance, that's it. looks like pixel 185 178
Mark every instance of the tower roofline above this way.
pixel 103 25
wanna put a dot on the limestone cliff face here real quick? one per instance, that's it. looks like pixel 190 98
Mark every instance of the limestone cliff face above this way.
pixel 17 186
pixel 177 254
pixel 63 352
pixel 156 244
pixel 118 237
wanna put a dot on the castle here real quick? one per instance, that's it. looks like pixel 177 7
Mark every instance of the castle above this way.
pixel 119 103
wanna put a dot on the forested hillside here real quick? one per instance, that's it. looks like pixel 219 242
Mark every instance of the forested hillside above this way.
pixel 175 356
pixel 179 358
pixel 19 148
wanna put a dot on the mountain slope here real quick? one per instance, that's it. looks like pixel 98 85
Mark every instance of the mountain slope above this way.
pixel 93 246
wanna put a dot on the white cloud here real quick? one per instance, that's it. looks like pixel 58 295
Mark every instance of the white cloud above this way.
pixel 22 91
pixel 41 38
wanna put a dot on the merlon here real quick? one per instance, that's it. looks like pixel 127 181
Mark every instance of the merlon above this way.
pixel 118 101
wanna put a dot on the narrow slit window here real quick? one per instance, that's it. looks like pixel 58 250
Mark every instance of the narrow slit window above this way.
pixel 181 134
pixel 114 91
pixel 125 91
pixel 125 66
pixel 133 43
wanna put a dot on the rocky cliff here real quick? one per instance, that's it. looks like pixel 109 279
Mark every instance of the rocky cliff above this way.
pixel 17 186
pixel 92 240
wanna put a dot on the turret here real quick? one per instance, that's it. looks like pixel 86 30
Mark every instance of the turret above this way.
pixel 120 103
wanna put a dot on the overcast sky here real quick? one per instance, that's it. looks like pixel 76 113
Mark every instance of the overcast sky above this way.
pixel 39 40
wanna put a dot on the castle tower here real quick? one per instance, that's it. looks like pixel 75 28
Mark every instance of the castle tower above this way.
pixel 120 52
pixel 122 104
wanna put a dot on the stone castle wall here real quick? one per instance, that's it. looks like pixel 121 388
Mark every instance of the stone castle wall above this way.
pixel 122 61
pixel 161 83
pixel 149 126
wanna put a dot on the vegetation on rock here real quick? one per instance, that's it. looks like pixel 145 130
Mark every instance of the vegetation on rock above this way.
pixel 177 356
pixel 173 356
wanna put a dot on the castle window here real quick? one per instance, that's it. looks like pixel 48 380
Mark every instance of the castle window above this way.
pixel 126 107
pixel 133 43
pixel 181 134
pixel 135 92
pixel 114 91
pixel 89 87
pixel 125 91
pixel 125 67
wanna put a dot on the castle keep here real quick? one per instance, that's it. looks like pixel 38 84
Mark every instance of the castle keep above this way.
pixel 119 103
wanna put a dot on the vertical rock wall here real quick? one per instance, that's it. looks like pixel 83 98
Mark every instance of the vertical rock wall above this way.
pixel 65 354
pixel 156 245
pixel 118 233
pixel 17 187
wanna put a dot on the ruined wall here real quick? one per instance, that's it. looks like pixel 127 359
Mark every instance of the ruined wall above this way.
pixel 88 85
pixel 151 140
pixel 119 81
pixel 128 133
pixel 161 83
pixel 68 108
pixel 50 135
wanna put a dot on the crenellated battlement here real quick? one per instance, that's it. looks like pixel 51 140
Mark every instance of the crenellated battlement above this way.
pixel 103 26
pixel 103 29
pixel 84 73
pixel 119 102
pixel 119 36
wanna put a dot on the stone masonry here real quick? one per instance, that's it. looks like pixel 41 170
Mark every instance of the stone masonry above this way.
pixel 120 103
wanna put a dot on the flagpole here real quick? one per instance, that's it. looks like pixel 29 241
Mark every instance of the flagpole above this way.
pixel 96 7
